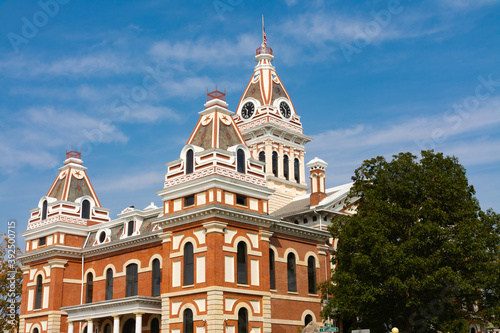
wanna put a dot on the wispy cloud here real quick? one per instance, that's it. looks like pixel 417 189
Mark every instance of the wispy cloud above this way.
pixel 131 182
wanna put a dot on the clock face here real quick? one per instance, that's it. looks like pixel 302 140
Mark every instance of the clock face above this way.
pixel 247 110
pixel 285 110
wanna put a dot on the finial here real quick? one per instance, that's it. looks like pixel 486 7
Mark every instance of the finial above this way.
pixel 73 153
pixel 264 38
pixel 216 94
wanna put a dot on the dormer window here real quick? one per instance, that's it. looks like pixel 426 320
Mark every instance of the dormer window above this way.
pixel 189 161
pixel 85 209
pixel 44 210
pixel 102 236
pixel 130 227
pixel 240 161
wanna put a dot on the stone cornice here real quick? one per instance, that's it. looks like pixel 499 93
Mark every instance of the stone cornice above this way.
pixel 292 229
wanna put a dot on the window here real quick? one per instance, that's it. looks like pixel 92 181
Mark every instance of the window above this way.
pixel 272 272
pixel 188 264
pixel 296 170
pixel 189 161
pixel 308 319
pixel 155 326
pixel 131 280
pixel 42 241
pixel 90 288
pixel 38 292
pixel 35 330
pixel 109 284
pixel 187 321
pixel 130 227
pixel 285 167
pixel 242 321
pixel 156 278
pixel 305 220
pixel 275 164
pixel 107 328
pixel 102 236
pixel 241 263
pixel 189 201
pixel 311 274
pixel 241 200
pixel 290 267
pixel 262 158
pixel 240 160
pixel 44 210
pixel 85 209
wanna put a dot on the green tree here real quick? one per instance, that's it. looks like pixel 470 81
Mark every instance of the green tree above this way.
pixel 419 254
pixel 11 279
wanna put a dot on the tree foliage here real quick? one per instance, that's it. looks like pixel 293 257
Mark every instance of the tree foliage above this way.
pixel 419 254
pixel 10 283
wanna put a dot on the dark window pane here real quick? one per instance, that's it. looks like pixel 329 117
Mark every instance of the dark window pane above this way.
pixel 308 319
pixel 42 241
pixel 188 321
pixel 275 164
pixel 242 321
pixel 131 280
pixel 107 328
pixel 242 267
pixel 311 275
pixel 130 228
pixel 38 291
pixel 285 166
pixel 36 330
pixel 102 236
pixel 109 284
pixel 189 161
pixel 296 170
pixel 262 158
pixel 44 210
pixel 272 273
pixel 292 282
pixel 85 209
pixel 189 201
pixel 90 288
pixel 155 326
pixel 188 264
pixel 156 281
pixel 241 200
pixel 240 160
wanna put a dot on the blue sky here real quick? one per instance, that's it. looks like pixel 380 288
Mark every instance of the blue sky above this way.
pixel 368 78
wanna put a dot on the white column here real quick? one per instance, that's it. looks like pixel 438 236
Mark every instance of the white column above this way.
pixel 116 323
pixel 303 179
pixel 90 326
pixel 70 327
pixel 138 322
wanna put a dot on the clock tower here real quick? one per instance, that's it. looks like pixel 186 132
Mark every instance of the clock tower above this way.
pixel 272 129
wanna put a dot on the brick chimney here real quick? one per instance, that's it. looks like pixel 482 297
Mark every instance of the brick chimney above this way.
pixel 317 170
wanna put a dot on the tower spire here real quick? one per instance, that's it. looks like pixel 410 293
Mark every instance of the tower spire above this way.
pixel 264 38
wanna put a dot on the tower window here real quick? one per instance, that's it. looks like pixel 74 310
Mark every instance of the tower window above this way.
pixel 275 164
pixel 85 209
pixel 243 321
pixel 189 201
pixel 240 161
pixel 242 267
pixel 188 321
pixel 38 292
pixel 311 274
pixel 90 288
pixel 188 264
pixel 296 170
pixel 44 210
pixel 156 278
pixel 189 161
pixel 131 280
pixel 241 200
pixel 262 158
pixel 130 227
pixel 285 167
pixel 291 274
pixel 42 241
pixel 109 284
pixel 272 272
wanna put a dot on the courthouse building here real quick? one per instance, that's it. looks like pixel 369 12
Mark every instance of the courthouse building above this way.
pixel 238 243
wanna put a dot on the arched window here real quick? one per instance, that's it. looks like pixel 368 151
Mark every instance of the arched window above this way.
pixel 188 321
pixel 44 210
pixel 38 292
pixel 291 274
pixel 129 326
pixel 188 264
pixel 275 164
pixel 85 209
pixel 296 170
pixel 243 321
pixel 131 280
pixel 272 272
pixel 107 328
pixel 311 274
pixel 242 267
pixel 156 278
pixel 240 161
pixel 35 330
pixel 307 319
pixel 285 167
pixel 189 161
pixel 90 288
pixel 155 326
pixel 109 284
pixel 262 158
pixel 130 227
